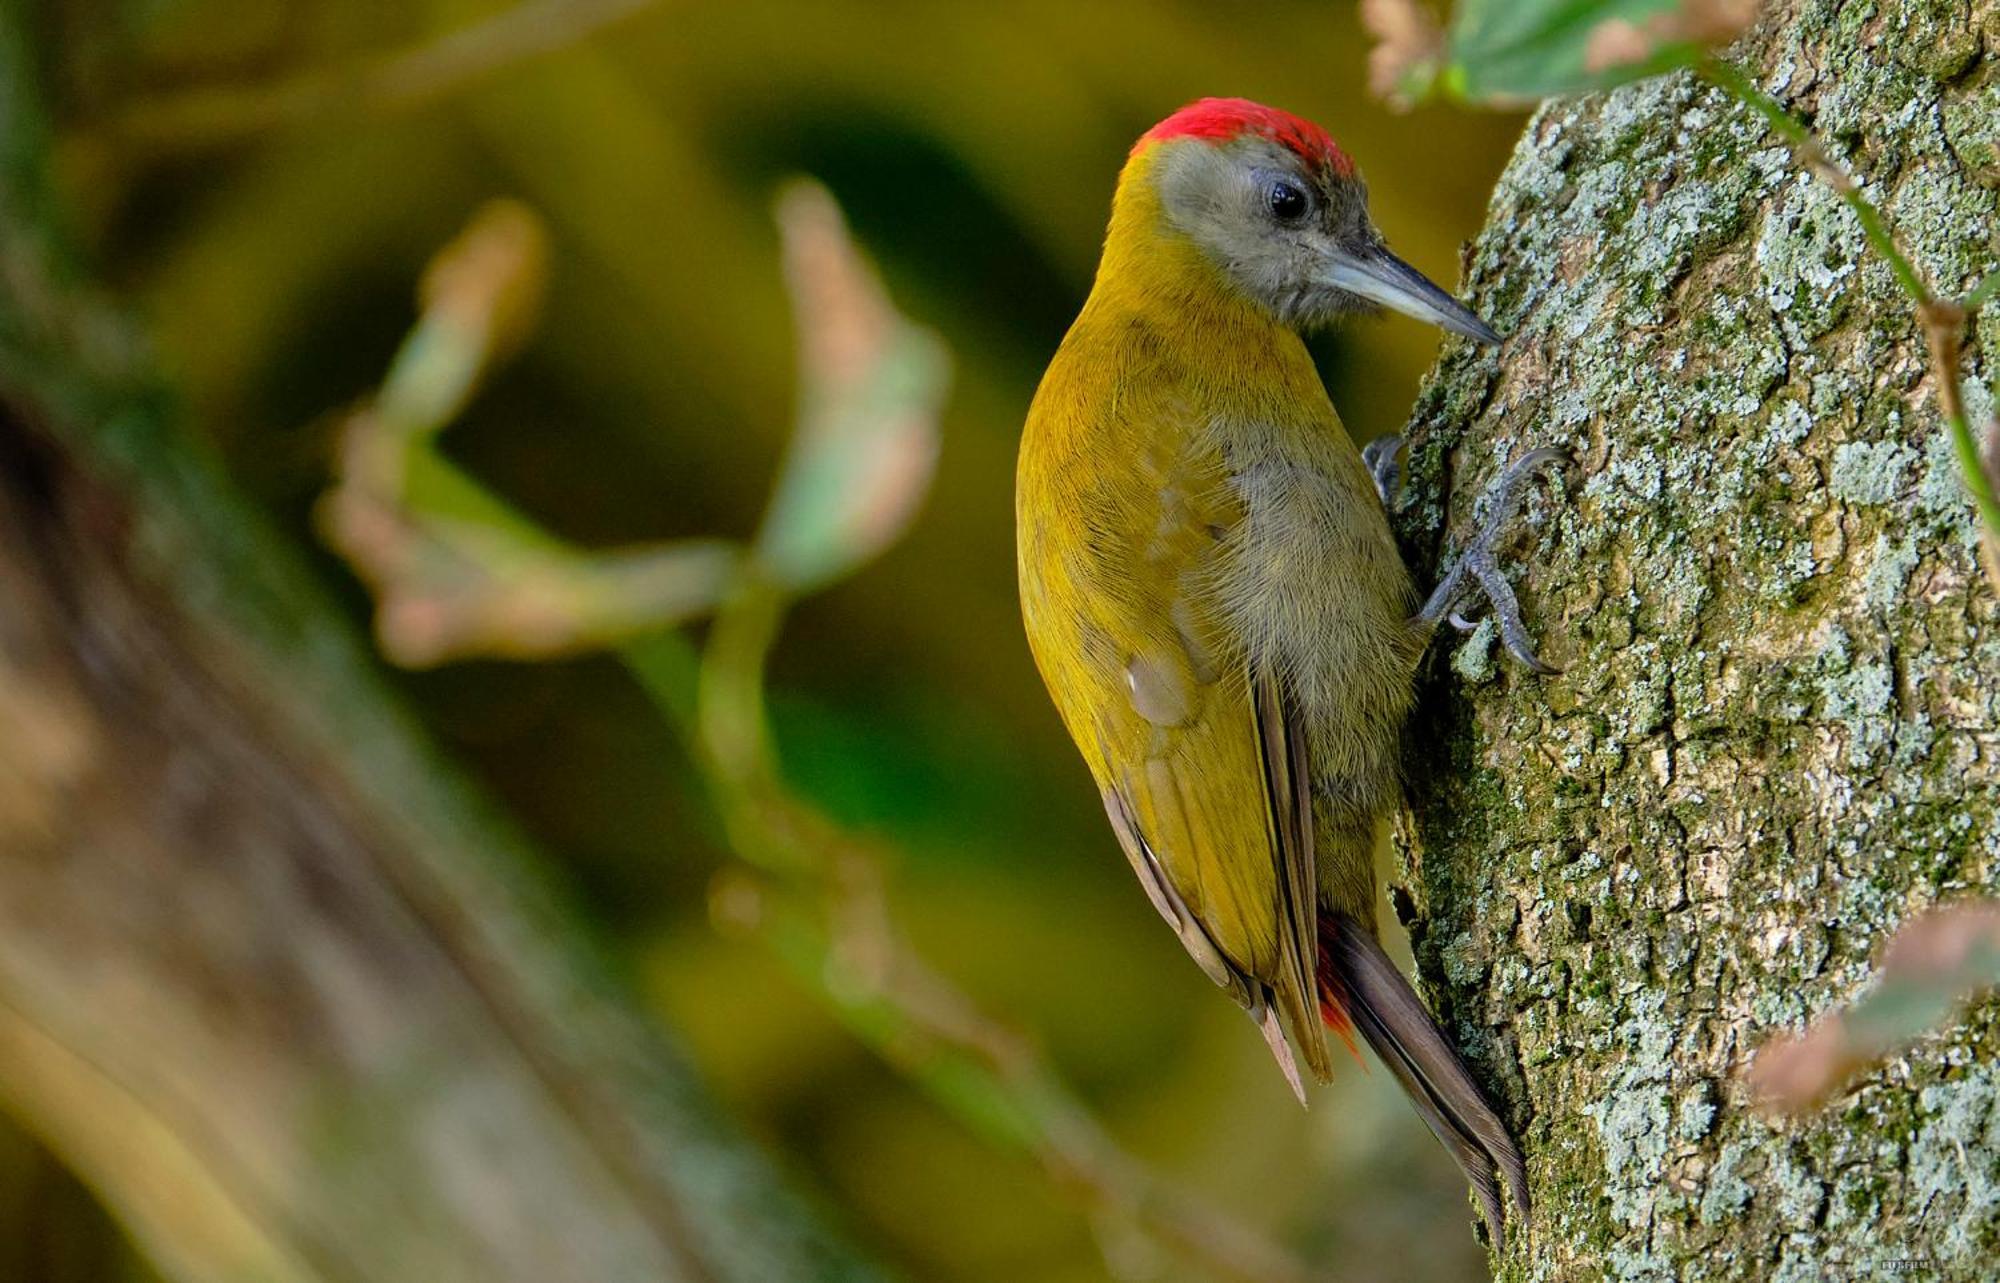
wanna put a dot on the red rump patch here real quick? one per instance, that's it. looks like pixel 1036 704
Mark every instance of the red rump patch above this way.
pixel 1332 992
pixel 1219 120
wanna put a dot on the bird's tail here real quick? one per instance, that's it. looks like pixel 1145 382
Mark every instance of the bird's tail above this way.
pixel 1360 989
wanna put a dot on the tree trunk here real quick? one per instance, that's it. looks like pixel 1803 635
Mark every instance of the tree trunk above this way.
pixel 284 993
pixel 1778 734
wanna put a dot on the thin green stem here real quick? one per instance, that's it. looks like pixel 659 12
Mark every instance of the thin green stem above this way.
pixel 1976 480
pixel 730 694
pixel 1981 294
pixel 668 669
pixel 1944 325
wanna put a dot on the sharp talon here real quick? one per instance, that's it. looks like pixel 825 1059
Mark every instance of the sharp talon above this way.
pixel 1507 610
pixel 1507 490
pixel 1532 662
pixel 1380 458
pixel 1538 458
pixel 1461 623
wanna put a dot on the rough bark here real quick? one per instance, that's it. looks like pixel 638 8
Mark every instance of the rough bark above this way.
pixel 282 991
pixel 1779 729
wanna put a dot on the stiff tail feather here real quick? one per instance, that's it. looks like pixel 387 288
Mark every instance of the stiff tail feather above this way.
pixel 1360 989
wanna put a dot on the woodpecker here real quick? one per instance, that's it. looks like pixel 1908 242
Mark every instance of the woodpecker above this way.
pixel 1215 601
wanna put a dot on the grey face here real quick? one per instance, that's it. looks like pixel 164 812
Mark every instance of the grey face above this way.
pixel 1296 239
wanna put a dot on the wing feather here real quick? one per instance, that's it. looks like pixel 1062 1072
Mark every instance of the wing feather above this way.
pixel 1202 762
pixel 1288 792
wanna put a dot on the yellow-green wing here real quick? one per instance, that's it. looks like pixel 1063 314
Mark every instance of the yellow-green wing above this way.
pixel 1201 762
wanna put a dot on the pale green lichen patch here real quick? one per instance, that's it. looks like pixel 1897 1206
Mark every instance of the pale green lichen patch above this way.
pixel 1695 1116
pixel 1807 252
pixel 1935 195
pixel 1941 500
pixel 1799 1196
pixel 1889 567
pixel 1953 1167
pixel 1473 660
pixel 1727 1191
pixel 1870 471
pixel 1972 126
pixel 1635 1117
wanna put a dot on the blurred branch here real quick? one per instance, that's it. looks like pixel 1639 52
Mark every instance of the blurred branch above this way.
pixel 871 387
pixel 981 1072
pixel 387 82
pixel 1932 967
pixel 283 992
pixel 461 581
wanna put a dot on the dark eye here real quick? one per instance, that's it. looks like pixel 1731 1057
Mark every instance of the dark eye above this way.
pixel 1286 199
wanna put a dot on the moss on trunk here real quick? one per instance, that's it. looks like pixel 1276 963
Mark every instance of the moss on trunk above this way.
pixel 1779 729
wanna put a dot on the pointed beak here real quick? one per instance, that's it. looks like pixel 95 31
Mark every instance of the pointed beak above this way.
pixel 1379 276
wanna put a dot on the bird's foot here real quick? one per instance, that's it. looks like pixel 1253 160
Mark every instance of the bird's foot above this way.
pixel 1381 456
pixel 1478 574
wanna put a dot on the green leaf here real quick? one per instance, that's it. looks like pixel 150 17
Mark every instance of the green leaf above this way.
pixel 1509 52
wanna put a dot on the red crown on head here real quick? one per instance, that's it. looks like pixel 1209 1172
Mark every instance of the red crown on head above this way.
pixel 1219 120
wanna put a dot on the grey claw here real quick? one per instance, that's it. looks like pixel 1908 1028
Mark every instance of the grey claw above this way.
pixel 1508 489
pixel 1479 567
pixel 1380 458
pixel 1507 610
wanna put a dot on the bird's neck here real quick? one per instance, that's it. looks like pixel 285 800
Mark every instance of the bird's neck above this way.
pixel 1155 277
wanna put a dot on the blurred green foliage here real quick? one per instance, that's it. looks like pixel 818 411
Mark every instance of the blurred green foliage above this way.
pixel 973 148
pixel 1496 52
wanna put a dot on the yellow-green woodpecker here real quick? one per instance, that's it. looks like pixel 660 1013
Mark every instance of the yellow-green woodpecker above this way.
pixel 1215 600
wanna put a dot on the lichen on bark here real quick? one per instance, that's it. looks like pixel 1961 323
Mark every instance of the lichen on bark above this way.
pixel 1778 731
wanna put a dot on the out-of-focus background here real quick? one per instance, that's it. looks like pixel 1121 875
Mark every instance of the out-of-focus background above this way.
pixel 272 245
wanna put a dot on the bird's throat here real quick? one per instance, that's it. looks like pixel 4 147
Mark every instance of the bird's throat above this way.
pixel 1155 280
